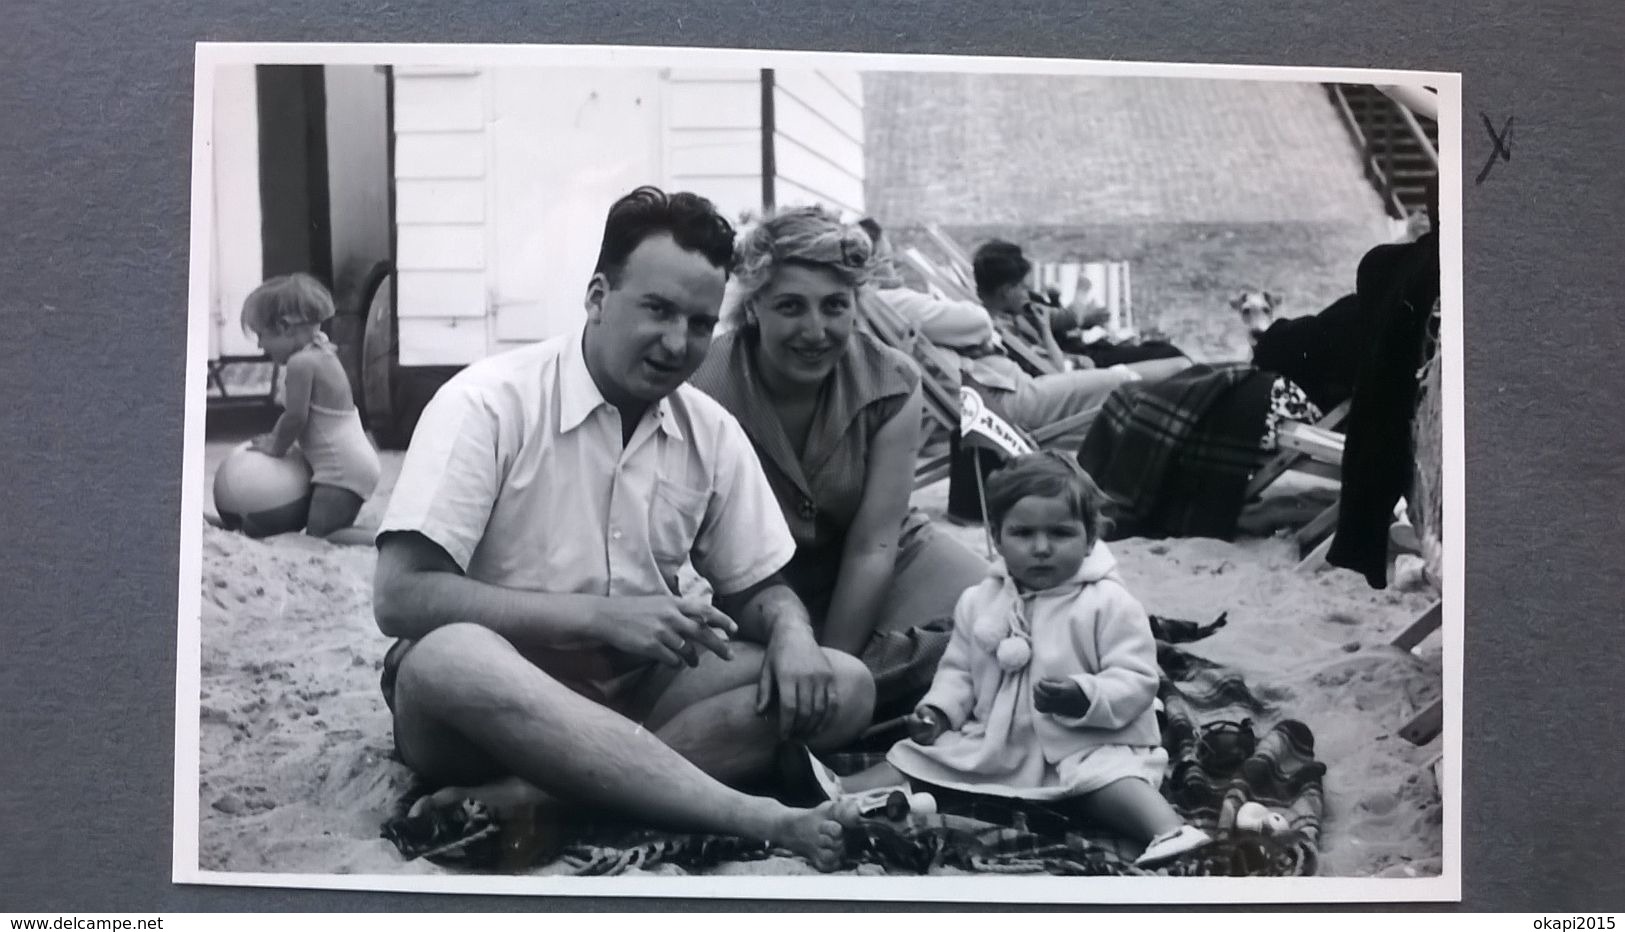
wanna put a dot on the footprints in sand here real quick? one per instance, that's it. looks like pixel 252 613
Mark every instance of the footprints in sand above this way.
pixel 249 799
pixel 1379 682
pixel 1382 827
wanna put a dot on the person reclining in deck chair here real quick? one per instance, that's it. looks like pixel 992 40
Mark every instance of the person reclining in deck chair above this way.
pixel 1030 402
pixel 1075 336
pixel 962 326
pixel 1033 401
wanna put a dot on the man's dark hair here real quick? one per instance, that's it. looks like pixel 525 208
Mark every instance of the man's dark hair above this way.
pixel 690 220
pixel 871 226
pixel 998 264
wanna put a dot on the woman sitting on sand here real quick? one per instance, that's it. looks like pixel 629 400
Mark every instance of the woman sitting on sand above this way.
pixel 835 417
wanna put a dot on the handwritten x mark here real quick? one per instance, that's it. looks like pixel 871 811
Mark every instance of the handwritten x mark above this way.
pixel 1503 145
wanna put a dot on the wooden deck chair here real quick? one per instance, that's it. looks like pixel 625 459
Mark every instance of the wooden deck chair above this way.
pixel 1107 285
pixel 959 261
pixel 941 408
pixel 1104 285
pixel 959 272
pixel 1062 278
pixel 1428 723
pixel 1315 449
pixel 944 284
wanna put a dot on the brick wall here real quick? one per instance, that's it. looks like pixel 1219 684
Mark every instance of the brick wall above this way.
pixel 1206 187
pixel 985 149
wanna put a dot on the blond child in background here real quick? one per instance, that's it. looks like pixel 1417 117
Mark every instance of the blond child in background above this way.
pixel 319 414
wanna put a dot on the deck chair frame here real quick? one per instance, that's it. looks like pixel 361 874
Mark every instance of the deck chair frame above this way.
pixel 1111 279
pixel 941 407
pixel 1315 449
pixel 1018 347
pixel 957 280
pixel 1429 722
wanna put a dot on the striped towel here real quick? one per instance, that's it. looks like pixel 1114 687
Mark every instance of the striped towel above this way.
pixel 1221 751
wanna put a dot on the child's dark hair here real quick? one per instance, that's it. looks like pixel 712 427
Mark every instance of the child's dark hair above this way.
pixel 690 220
pixel 1048 475
pixel 285 302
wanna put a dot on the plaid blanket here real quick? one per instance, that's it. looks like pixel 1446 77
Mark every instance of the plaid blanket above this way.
pixel 1176 454
pixel 1219 760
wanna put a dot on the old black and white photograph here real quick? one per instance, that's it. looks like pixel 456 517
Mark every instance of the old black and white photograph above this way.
pixel 730 473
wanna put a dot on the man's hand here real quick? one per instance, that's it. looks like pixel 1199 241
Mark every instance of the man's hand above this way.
pixel 1040 314
pixel 926 725
pixel 667 629
pixel 1060 697
pixel 797 674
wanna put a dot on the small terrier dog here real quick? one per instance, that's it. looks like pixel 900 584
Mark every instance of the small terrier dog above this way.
pixel 1257 310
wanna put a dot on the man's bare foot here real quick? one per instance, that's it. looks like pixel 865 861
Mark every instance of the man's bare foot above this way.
pixel 530 824
pixel 819 835
pixel 507 796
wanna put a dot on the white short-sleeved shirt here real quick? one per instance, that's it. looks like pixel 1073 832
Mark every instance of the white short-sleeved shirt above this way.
pixel 517 470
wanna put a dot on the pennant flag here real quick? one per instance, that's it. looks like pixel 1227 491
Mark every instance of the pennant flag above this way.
pixel 979 426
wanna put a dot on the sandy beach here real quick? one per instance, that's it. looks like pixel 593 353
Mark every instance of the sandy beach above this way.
pixel 297 772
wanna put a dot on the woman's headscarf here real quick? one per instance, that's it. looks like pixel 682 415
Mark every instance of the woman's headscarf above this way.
pixel 808 236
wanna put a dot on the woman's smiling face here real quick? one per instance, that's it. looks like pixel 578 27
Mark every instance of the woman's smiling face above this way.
pixel 804 316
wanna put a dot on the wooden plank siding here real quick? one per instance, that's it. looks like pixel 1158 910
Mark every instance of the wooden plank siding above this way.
pixel 441 193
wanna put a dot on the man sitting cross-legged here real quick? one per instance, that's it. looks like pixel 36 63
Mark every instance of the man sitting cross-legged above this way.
pixel 529 558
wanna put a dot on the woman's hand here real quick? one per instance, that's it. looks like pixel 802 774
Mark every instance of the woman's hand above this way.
pixel 1060 697
pixel 926 725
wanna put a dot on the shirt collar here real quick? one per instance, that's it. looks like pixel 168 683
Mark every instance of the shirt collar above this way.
pixel 580 398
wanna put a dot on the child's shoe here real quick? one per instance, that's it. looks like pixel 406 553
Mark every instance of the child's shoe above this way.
pixel 1170 845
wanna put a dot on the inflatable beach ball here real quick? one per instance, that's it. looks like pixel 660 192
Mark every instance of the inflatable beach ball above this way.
pixel 262 495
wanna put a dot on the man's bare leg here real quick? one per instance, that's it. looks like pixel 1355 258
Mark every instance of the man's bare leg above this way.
pixel 464 689
pixel 708 714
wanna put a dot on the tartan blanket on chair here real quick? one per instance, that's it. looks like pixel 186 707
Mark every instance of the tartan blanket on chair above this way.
pixel 1221 756
pixel 1176 454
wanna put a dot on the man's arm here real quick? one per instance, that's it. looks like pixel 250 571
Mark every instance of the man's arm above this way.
pixel 418 587
pixel 957 324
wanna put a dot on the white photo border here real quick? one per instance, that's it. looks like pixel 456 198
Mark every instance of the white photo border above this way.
pixel 989 889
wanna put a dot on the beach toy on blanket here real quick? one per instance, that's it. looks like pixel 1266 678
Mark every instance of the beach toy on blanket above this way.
pixel 1257 818
pixel 262 495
